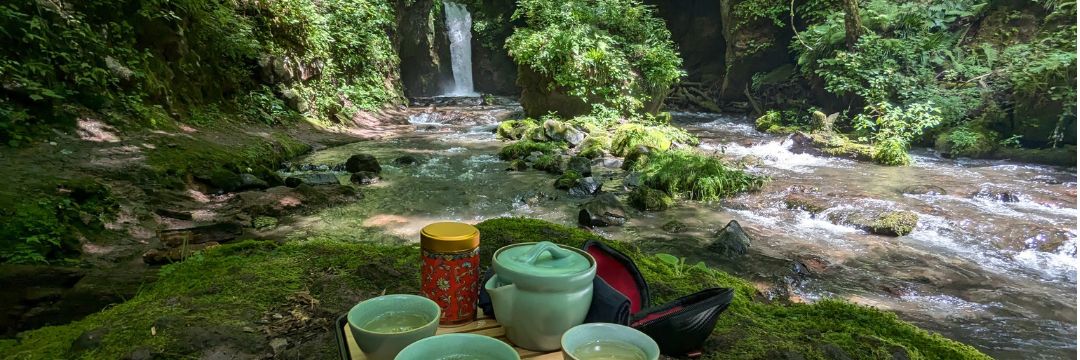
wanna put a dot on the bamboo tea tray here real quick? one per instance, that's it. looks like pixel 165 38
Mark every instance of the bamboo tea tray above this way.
pixel 482 326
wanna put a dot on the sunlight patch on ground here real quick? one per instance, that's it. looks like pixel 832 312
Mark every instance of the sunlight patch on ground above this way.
pixel 96 131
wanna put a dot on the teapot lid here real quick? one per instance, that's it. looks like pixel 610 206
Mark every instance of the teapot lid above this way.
pixel 543 259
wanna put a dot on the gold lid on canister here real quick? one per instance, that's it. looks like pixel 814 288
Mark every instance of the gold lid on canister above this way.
pixel 449 237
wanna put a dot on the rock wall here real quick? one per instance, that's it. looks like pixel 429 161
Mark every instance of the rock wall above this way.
pixel 754 47
pixel 695 26
pixel 493 70
pixel 424 48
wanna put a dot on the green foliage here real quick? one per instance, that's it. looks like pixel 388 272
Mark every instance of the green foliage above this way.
pixel 567 180
pixel 966 141
pixel 892 128
pixel 42 228
pixel 782 121
pixel 678 264
pixel 522 149
pixel 923 53
pixel 612 53
pixel 695 176
pixel 189 57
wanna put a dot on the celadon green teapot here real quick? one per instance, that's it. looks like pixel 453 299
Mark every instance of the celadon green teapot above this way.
pixel 539 291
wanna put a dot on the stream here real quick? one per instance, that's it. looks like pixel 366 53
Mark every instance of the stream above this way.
pixel 991 262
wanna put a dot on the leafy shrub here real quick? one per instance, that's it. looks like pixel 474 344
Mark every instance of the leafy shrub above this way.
pixel 47 227
pixel 965 141
pixel 612 52
pixel 892 128
pixel 695 176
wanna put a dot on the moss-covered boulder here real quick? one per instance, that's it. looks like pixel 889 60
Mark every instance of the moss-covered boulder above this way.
pixel 594 146
pixel 550 163
pixel 567 180
pixel 805 202
pixel 522 149
pixel 888 223
pixel 831 144
pixel 515 129
pixel 645 198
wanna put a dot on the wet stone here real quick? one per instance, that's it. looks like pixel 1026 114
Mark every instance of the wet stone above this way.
pixel 674 226
pixel 312 179
pixel 518 165
pixel 924 189
pixel 581 165
pixel 362 162
pixel 584 187
pixel 364 178
pixel 603 210
pixel 731 241
pixel 251 182
pixel 405 160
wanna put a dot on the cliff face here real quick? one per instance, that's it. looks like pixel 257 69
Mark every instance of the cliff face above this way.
pixel 424 48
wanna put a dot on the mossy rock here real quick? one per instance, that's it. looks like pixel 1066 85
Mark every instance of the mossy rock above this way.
pixel 805 202
pixel 522 149
pixel 895 223
pixel 631 136
pixel 222 179
pixel 549 163
pixel 836 145
pixel 515 129
pixel 888 223
pixel 567 180
pixel 965 142
pixel 518 165
pixel 648 199
pixel 594 146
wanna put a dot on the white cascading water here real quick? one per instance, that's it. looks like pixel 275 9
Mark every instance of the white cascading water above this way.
pixel 459 28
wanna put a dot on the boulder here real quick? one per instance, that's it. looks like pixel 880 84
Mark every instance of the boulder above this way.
pixel 312 179
pixel 405 160
pixel 362 162
pixel 251 182
pixel 574 136
pixel 632 180
pixel 635 156
pixel 996 194
pixel 731 241
pixel 567 180
pixel 923 189
pixel 581 165
pixel 584 187
pixel 888 223
pixel 648 199
pixel 603 210
pixel 221 179
pixel 806 202
pixel 364 178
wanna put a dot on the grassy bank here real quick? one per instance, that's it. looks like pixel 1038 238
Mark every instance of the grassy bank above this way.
pixel 246 294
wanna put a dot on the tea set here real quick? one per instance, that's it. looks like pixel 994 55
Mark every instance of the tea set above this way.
pixel 540 293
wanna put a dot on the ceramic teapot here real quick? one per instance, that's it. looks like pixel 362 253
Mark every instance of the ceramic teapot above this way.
pixel 539 291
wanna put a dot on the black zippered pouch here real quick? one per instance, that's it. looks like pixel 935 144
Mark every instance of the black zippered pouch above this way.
pixel 679 327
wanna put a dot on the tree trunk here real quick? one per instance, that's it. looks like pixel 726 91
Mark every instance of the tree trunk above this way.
pixel 852 23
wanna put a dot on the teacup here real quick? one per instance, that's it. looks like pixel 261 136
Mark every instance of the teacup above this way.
pixel 384 325
pixel 458 346
pixel 608 341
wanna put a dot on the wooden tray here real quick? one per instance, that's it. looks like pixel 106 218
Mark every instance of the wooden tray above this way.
pixel 482 326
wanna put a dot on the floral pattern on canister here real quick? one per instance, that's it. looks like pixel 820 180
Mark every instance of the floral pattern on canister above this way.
pixel 452 280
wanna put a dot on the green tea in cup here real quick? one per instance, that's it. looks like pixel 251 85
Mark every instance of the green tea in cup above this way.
pixel 384 325
pixel 599 341
pixel 608 350
pixel 396 322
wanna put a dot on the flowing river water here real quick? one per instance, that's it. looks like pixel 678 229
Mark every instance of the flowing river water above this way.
pixel 990 263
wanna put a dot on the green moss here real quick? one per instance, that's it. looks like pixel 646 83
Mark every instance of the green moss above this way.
pixel 231 286
pixel 805 202
pixel 522 149
pixel 630 136
pixel 515 129
pixel 896 223
pixel 567 180
pixel 649 199
pixel 550 163
pixel 695 176
pixel 177 157
pixel 777 122
pixel 594 146
pixel 750 329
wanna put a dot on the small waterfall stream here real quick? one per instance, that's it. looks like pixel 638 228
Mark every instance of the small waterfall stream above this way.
pixel 459 28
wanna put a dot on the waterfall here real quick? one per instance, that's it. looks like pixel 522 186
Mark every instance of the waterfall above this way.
pixel 459 27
